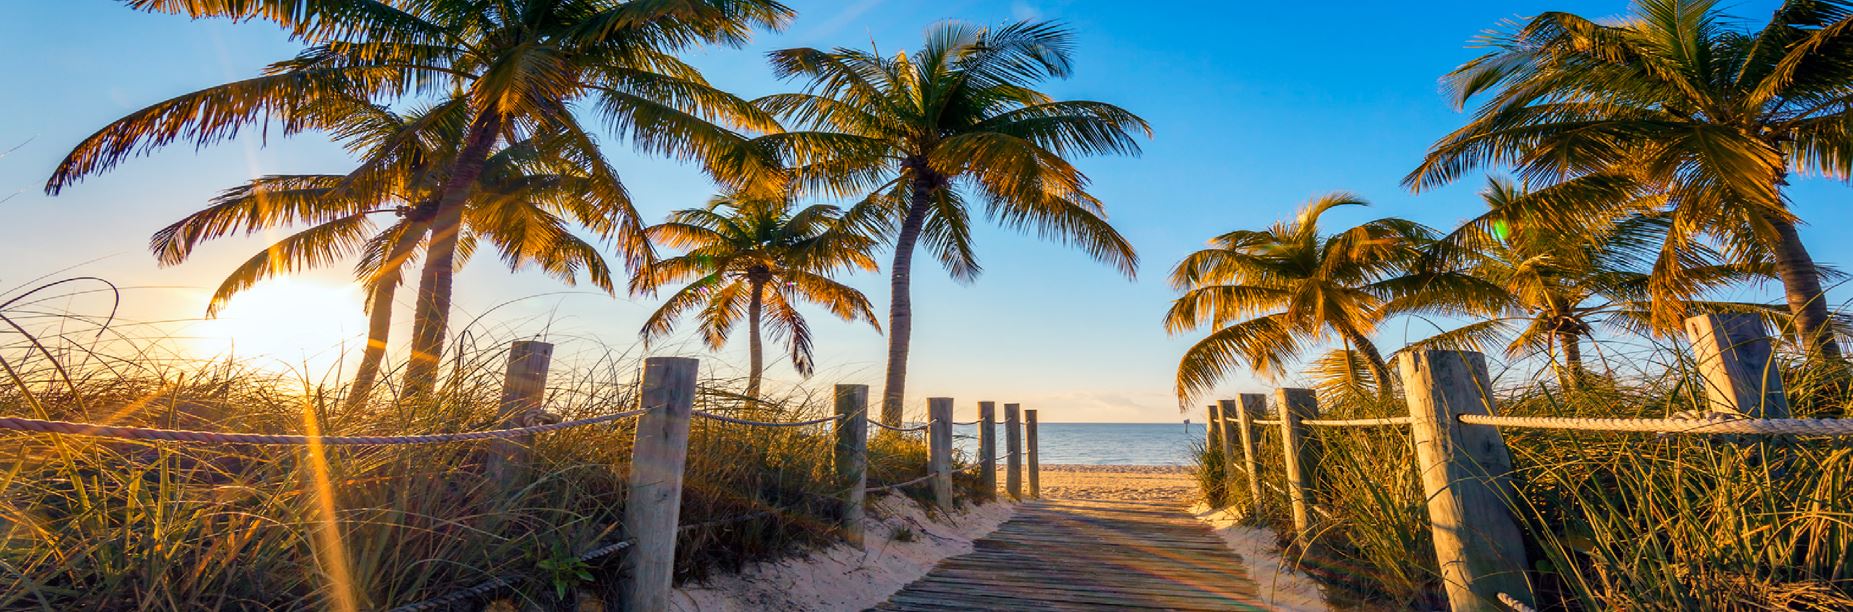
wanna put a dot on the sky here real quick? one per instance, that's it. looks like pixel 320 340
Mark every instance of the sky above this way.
pixel 1255 107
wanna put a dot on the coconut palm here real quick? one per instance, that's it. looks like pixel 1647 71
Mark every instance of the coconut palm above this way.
pixel 1709 114
pixel 922 133
pixel 1564 283
pixel 514 69
pixel 753 257
pixel 524 203
pixel 1268 295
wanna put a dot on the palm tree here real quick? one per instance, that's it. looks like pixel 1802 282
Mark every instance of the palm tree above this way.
pixel 752 255
pixel 1268 295
pixel 524 203
pixel 1712 116
pixel 919 134
pixel 513 69
pixel 1563 283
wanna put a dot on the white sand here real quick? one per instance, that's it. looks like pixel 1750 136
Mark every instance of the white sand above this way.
pixel 843 578
pixel 1282 587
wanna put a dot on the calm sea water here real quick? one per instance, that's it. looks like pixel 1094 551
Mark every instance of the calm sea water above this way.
pixel 1100 443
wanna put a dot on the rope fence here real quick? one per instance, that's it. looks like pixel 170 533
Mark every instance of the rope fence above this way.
pixel 739 421
pixel 120 432
pixel 886 488
pixel 1358 422
pixel 1514 604
pixel 920 427
pixel 1454 419
pixel 1722 424
pixel 667 394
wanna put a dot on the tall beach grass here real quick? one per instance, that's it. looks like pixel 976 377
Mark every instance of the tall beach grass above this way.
pixel 92 523
pixel 1611 520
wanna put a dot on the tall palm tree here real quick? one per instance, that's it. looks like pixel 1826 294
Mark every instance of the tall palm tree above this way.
pixel 921 133
pixel 748 256
pixel 1713 116
pixel 524 203
pixel 515 68
pixel 1563 283
pixel 1268 295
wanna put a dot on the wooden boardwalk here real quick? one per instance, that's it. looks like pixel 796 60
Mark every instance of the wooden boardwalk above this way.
pixel 1088 555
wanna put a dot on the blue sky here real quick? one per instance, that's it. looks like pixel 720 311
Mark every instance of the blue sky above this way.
pixel 1255 108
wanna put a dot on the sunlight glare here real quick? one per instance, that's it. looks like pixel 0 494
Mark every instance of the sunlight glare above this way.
pixel 286 324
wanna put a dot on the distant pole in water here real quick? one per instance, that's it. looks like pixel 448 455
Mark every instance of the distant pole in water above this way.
pixel 1186 426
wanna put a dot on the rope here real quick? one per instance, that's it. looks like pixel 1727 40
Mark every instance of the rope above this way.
pixel 900 484
pixel 495 584
pixel 1515 604
pixel 730 520
pixel 1358 422
pixel 740 421
pixel 962 423
pixel 221 437
pixel 1723 423
pixel 921 427
pixel 1266 421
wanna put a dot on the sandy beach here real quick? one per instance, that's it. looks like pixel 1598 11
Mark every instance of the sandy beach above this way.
pixel 1116 482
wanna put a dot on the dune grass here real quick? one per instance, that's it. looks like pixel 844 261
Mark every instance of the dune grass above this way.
pixel 88 523
pixel 1612 521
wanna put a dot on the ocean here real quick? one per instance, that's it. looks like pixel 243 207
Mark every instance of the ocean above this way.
pixel 1099 443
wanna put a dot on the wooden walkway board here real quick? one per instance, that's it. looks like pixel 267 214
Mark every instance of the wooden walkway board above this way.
pixel 1088 555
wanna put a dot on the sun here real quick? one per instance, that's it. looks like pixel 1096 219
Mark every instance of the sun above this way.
pixel 286 324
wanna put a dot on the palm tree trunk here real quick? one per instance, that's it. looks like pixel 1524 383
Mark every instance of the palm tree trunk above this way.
pixel 433 307
pixel 900 304
pixel 1379 368
pixel 1801 284
pixel 379 316
pixel 1570 372
pixel 756 360
pixel 379 329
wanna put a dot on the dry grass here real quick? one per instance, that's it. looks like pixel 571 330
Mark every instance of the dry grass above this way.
pixel 1613 521
pixel 90 523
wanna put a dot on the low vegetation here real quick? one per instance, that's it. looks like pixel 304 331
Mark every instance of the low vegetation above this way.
pixel 1612 520
pixel 93 523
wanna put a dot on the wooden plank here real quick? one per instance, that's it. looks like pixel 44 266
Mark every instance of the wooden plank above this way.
pixel 1070 555
pixel 1118 600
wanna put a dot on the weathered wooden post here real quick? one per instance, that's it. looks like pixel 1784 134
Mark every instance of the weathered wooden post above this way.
pixel 524 386
pixel 1297 405
pixel 1464 471
pixel 654 499
pixel 939 449
pixel 1254 406
pixel 1013 442
pixel 987 449
pixel 1035 468
pixel 1735 356
pixel 1212 429
pixel 1213 445
pixel 852 457
pixel 1225 433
